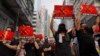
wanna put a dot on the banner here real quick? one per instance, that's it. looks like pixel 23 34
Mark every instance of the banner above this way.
pixel 40 36
pixel 25 31
pixel 88 9
pixel 1 35
pixel 63 11
pixel 6 35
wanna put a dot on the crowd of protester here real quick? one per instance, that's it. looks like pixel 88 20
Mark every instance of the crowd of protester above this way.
pixel 79 41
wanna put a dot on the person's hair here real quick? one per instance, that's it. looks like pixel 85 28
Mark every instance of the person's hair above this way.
pixel 61 28
pixel 9 28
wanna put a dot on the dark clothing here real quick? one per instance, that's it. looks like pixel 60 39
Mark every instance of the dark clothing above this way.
pixel 62 49
pixel 30 49
pixel 98 36
pixel 40 50
pixel 5 51
pixel 99 43
pixel 46 45
pixel 86 44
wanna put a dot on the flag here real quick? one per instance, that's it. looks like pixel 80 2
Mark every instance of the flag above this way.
pixel 40 36
pixel 25 31
pixel 63 11
pixel 88 9
pixel 1 35
pixel 8 35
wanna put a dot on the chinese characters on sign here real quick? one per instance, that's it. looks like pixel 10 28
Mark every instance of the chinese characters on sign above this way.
pixel 88 9
pixel 63 11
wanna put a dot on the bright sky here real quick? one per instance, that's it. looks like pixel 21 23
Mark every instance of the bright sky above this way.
pixel 49 5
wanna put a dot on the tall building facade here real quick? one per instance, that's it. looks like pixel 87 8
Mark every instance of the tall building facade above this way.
pixel 41 19
pixel 27 7
pixel 34 21
pixel 15 12
pixel 43 22
pixel 97 4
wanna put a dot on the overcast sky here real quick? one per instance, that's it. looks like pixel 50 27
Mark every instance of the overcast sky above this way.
pixel 48 4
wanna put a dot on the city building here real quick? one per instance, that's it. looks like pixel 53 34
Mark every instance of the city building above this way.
pixel 35 18
pixel 43 22
pixel 34 21
pixel 15 12
pixel 41 19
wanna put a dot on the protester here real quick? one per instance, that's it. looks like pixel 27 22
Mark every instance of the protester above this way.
pixel 47 47
pixel 8 47
pixel 52 44
pixel 62 40
pixel 85 40
pixel 96 30
pixel 39 50
pixel 96 33
pixel 31 47
pixel 74 41
pixel 20 48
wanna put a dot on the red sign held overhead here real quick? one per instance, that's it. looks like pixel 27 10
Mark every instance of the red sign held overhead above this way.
pixel 63 11
pixel 88 9
pixel 6 35
pixel 1 35
pixel 25 31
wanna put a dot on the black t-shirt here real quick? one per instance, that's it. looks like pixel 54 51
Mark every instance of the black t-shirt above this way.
pixel 86 43
pixel 46 45
pixel 40 50
pixel 30 49
pixel 5 51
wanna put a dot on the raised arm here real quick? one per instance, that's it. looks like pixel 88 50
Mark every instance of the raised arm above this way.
pixel 13 47
pixel 35 43
pixel 78 21
pixel 51 26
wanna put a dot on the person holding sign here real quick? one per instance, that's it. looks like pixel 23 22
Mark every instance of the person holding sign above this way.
pixel 7 48
pixel 62 40
pixel 85 39
pixel 96 31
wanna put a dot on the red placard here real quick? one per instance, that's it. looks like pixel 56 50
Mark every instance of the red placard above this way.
pixel 1 35
pixel 88 9
pixel 25 31
pixel 40 36
pixel 8 35
pixel 63 11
